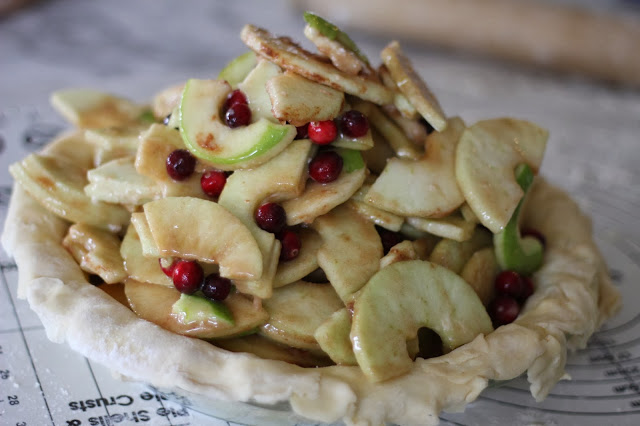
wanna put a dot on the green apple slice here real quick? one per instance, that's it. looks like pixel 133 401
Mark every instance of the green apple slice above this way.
pixel 351 250
pixel 91 109
pixel 332 32
pixel 298 101
pixel 523 255
pixel 285 53
pixel 209 139
pixel 412 86
pixel 333 337
pixel 480 272
pixel 296 311
pixel 138 266
pixel 191 309
pixel 254 88
pixel 118 182
pixel 96 251
pixel 306 262
pixel 171 221
pixel 454 254
pixel 58 184
pixel 486 157
pixel 433 191
pixel 452 226
pixel 154 303
pixel 361 143
pixel 402 298
pixel 238 68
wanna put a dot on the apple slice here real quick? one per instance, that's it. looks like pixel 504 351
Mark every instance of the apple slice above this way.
pixel 238 68
pixel 192 308
pixel 412 86
pixel 401 252
pixel 433 191
pixel 118 182
pixel 254 88
pixel 154 303
pixel 376 158
pixel 209 139
pixel 114 142
pixel 333 33
pixel 452 226
pixel 285 53
pixel 454 254
pixel 165 102
pixel 279 179
pixel 92 109
pixel 58 184
pixel 333 337
pixel 523 255
pixel 486 157
pixel 171 221
pixel 296 311
pixel 298 101
pixel 137 266
pixel 149 246
pixel 306 262
pixel 96 251
pixel 351 250
pixel 402 298
pixel 376 215
pixel 400 102
pixel 480 272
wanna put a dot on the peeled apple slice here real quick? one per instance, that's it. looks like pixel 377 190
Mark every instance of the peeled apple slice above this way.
pixel 453 226
pixel 171 221
pixel 254 88
pixel 209 139
pixel 118 182
pixel 486 158
pixel 138 266
pixel 402 298
pixel 306 262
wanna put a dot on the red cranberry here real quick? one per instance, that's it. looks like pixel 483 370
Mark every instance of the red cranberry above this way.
pixel 187 276
pixel 528 289
pixel 167 264
pixel 302 131
pixel 271 217
pixel 237 115
pixel 509 283
pixel 354 124
pixel 212 183
pixel 322 132
pixel 325 167
pixel 180 164
pixel 235 97
pixel 528 232
pixel 388 238
pixel 290 245
pixel 216 287
pixel 503 310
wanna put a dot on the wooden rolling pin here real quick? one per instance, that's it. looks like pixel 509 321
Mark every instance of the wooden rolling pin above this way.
pixel 535 33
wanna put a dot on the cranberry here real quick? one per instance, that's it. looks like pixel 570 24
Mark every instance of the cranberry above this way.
pixel 322 132
pixel 212 183
pixel 271 217
pixel 180 164
pixel 216 287
pixel 325 167
pixel 388 238
pixel 509 283
pixel 354 124
pixel 528 289
pixel 528 232
pixel 237 115
pixel 503 310
pixel 302 132
pixel 290 245
pixel 167 264
pixel 235 97
pixel 187 276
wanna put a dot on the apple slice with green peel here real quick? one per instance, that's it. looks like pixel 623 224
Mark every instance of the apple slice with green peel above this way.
pixel 279 179
pixel 486 157
pixel 138 266
pixel 523 255
pixel 254 88
pixel 318 198
pixel 402 298
pixel 332 32
pixel 149 246
pixel 361 143
pixel 165 102
pixel 401 252
pixel 480 272
pixel 333 337
pixel 267 349
pixel 433 191
pixel 306 262
pixel 114 142
pixel 454 255
pixel 452 226
pixel 191 308
pixel 351 250
pixel 154 303
pixel 298 101
pixel 209 139
pixel 296 311
pixel 118 182
pixel 58 184
pixel 96 251
pixel 287 54
pixel 412 86
pixel 171 223
pixel 238 68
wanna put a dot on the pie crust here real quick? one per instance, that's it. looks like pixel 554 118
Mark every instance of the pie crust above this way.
pixel 574 296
